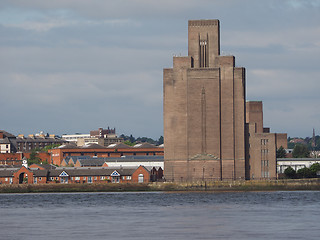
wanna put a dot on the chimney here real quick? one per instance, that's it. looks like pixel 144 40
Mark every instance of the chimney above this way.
pixel 1 135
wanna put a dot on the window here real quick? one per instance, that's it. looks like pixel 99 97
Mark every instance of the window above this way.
pixel 95 178
pixel 84 178
pixel 140 178
pixel 6 179
pixel 102 177
pixel 128 177
pixel 77 178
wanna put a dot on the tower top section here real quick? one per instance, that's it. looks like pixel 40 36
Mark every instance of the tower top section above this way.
pixel 199 23
pixel 204 42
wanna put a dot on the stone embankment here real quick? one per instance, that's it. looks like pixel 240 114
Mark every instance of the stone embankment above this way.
pixel 215 186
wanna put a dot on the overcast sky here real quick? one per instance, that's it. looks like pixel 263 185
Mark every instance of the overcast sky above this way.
pixel 70 66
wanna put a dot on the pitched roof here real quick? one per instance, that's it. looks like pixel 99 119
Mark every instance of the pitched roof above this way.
pixel 119 145
pixel 144 145
pixel 7 172
pixel 8 135
pixel 40 173
pixel 92 171
pixel 68 146
pixel 39 139
pixel 5 141
pixel 45 166
pixel 93 162
pixel 136 158
pixel 92 146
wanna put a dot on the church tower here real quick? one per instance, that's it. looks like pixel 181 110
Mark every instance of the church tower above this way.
pixel 204 110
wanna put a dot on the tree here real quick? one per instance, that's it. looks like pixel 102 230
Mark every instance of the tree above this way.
pixel 34 158
pixel 305 173
pixel 300 151
pixel 46 148
pixel 290 172
pixel 160 141
pixel 129 143
pixel 315 168
pixel 132 139
pixel 281 152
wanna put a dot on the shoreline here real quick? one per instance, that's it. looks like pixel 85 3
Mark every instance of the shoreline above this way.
pixel 215 186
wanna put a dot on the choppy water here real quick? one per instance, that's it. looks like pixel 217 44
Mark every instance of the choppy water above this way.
pixel 255 215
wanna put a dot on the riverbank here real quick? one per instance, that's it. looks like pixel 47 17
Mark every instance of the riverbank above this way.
pixel 216 186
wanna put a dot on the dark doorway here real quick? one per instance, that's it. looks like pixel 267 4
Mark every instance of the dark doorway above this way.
pixel 21 177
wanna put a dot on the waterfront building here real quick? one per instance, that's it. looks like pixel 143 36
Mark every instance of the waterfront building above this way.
pixel 114 150
pixel 262 145
pixel 204 110
pixel 36 174
pixel 210 131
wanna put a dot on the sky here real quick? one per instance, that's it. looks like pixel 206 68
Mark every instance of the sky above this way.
pixel 71 66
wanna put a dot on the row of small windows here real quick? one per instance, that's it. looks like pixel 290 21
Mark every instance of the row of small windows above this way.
pixel 264 141
pixel 265 163
pixel 265 174
pixel 95 178
pixel 30 145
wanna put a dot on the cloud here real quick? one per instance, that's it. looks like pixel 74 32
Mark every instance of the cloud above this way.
pixel 50 24
pixel 75 65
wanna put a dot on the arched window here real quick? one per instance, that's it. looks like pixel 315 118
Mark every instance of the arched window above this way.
pixel 140 178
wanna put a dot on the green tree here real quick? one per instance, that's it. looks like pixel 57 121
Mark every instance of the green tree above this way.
pixel 300 151
pixel 160 141
pixel 146 139
pixel 305 173
pixel 132 139
pixel 281 152
pixel 46 148
pixel 34 158
pixel 290 172
pixel 129 143
pixel 315 168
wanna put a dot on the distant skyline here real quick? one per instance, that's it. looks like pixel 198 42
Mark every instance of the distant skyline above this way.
pixel 74 66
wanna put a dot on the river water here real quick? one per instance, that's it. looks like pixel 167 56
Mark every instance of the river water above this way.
pixel 150 215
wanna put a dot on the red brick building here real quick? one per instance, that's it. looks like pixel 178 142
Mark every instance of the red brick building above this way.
pixel 95 150
pixel 36 174
pixel 16 158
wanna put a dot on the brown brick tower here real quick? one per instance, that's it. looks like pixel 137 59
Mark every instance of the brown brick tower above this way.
pixel 204 110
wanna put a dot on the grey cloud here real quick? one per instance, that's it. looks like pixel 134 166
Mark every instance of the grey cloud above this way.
pixel 71 66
